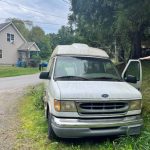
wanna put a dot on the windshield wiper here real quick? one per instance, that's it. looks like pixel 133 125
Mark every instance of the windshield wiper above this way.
pixel 106 78
pixel 70 78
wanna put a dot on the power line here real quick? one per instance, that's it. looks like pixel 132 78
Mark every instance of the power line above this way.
pixel 32 9
pixel 47 23
pixel 29 19
pixel 37 22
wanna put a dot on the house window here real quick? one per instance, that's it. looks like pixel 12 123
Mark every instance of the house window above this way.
pixel 10 38
pixel 0 53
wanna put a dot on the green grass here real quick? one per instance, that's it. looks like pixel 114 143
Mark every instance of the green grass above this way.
pixel 9 71
pixel 33 133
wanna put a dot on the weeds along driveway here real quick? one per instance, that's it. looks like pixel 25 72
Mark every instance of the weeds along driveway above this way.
pixel 11 91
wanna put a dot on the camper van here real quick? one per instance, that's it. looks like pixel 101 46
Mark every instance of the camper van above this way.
pixel 86 96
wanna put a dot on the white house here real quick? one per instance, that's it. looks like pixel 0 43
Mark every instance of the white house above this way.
pixel 13 46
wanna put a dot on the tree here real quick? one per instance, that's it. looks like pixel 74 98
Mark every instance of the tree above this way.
pixel 92 20
pixel 36 34
pixel 132 19
pixel 21 27
pixel 101 22
pixel 65 36
pixel 42 40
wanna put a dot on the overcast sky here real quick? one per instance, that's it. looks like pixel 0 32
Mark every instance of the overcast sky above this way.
pixel 48 14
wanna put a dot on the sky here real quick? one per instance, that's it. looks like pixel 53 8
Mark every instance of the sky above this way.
pixel 50 15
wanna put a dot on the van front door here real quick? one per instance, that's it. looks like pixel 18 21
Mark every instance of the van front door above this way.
pixel 133 73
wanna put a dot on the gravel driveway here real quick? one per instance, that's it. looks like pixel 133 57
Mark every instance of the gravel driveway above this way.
pixel 11 91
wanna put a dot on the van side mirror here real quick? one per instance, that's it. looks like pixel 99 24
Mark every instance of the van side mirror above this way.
pixel 131 79
pixel 44 75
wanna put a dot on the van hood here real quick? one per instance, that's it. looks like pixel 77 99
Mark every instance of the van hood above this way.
pixel 95 90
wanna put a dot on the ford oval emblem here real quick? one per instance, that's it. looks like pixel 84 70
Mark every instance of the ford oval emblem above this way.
pixel 105 95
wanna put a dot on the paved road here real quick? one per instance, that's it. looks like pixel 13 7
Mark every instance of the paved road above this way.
pixel 11 91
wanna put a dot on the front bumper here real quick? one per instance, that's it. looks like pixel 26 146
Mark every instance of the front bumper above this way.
pixel 75 128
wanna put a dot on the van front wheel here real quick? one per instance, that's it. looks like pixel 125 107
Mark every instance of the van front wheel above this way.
pixel 51 134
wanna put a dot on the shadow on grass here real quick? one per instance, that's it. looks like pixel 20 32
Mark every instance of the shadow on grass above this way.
pixel 92 140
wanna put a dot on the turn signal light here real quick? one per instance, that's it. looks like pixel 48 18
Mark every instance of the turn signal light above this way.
pixel 57 105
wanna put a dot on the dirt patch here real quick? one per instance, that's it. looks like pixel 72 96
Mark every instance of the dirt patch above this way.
pixel 11 91
pixel 9 122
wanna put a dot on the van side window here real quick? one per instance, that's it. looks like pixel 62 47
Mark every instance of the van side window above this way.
pixel 51 67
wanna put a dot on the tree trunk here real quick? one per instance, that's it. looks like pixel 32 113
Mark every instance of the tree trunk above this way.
pixel 121 54
pixel 137 51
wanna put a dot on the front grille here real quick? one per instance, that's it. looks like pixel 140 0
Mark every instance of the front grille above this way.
pixel 102 107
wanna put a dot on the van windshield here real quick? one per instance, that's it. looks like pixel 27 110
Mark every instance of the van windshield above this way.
pixel 85 68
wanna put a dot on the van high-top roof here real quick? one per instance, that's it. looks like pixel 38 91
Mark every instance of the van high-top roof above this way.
pixel 79 49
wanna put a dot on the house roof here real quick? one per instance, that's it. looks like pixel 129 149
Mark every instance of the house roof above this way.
pixel 27 46
pixel 4 25
pixel 79 49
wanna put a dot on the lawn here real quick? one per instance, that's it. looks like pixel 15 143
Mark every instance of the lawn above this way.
pixel 9 71
pixel 33 133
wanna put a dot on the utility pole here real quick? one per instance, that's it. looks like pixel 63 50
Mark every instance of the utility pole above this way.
pixel 116 53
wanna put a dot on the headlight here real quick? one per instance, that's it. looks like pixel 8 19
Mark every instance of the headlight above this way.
pixel 135 105
pixel 64 106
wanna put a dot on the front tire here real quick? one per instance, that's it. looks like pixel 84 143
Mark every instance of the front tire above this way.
pixel 51 134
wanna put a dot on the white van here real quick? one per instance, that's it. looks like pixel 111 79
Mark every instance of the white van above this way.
pixel 85 95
